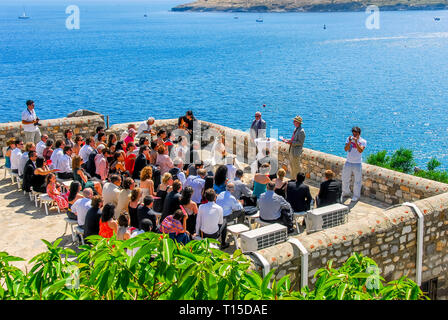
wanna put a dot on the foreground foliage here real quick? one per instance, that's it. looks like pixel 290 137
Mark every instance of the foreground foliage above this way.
pixel 164 269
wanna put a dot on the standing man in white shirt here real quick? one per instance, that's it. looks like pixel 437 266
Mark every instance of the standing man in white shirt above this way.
pixel 81 206
pixel 40 147
pixel 30 123
pixel 145 129
pixel 210 222
pixel 231 207
pixel 355 146
pixel 16 154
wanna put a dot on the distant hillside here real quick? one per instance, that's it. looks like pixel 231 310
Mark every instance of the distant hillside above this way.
pixel 308 5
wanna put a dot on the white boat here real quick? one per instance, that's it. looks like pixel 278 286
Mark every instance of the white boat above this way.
pixel 436 19
pixel 259 20
pixel 24 16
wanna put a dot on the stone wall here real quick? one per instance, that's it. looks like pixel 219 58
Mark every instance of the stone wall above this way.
pixel 390 238
pixel 55 128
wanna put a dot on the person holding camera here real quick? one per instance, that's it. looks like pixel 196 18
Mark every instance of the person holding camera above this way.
pixel 355 146
pixel 31 123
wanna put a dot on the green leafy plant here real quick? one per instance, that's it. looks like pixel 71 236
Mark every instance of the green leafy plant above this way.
pixel 159 268
pixel 379 159
pixel 402 160
pixel 433 164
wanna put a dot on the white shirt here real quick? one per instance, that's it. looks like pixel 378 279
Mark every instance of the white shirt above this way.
pixel 210 215
pixel 28 115
pixel 132 252
pixel 143 127
pixel 228 203
pixel 16 154
pixel 110 193
pixel 231 170
pixel 22 162
pixel 57 153
pixel 181 177
pixel 123 135
pixel 65 163
pixel 80 208
pixel 197 183
pixel 354 156
pixel 85 151
pixel 40 147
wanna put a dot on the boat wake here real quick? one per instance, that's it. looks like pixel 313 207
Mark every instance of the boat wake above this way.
pixel 432 35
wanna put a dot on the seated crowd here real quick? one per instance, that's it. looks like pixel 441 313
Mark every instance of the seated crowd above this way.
pixel 142 181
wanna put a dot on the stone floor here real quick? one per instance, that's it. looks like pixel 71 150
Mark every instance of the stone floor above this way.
pixel 22 225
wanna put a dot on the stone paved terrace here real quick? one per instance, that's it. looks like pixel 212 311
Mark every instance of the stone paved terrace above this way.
pixel 22 225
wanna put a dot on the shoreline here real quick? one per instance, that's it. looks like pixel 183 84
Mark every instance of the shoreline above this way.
pixel 340 7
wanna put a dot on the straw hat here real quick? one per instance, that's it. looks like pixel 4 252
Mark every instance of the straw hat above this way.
pixel 298 119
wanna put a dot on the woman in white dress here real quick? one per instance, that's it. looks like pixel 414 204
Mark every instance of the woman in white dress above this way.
pixel 218 151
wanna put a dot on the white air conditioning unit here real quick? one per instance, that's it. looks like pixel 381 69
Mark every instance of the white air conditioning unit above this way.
pixel 326 217
pixel 263 237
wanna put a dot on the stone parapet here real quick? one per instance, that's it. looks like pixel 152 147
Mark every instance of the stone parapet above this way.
pixel 55 128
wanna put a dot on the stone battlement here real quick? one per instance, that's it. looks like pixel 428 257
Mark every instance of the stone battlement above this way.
pixel 389 236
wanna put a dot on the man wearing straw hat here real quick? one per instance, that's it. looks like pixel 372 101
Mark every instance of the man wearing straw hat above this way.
pixel 296 146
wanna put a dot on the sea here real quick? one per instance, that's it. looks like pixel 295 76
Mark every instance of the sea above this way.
pixel 391 81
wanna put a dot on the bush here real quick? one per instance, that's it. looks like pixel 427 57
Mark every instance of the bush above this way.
pixel 402 160
pixel 379 159
pixel 433 164
pixel 166 270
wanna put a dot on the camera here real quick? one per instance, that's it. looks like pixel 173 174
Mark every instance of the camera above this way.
pixel 37 123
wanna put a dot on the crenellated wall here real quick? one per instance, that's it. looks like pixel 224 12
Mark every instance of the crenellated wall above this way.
pixel 387 236
pixel 390 238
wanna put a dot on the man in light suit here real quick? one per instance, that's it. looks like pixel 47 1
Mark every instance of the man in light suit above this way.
pixel 258 127
pixel 296 146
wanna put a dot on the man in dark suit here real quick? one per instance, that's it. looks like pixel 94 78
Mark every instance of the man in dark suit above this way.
pixel 141 161
pixel 28 171
pixel 145 212
pixel 258 127
pixel 330 190
pixel 298 194
pixel 172 200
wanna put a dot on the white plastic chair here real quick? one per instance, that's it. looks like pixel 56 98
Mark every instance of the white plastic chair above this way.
pixel 48 202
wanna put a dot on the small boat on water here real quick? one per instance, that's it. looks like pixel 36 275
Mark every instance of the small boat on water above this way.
pixel 436 19
pixel 24 16
pixel 235 17
pixel 259 20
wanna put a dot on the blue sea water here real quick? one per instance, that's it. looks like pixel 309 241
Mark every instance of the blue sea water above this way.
pixel 391 82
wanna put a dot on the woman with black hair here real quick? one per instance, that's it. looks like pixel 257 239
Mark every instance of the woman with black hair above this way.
pixel 111 140
pixel 207 185
pixel 40 173
pixel 190 207
pixel 68 134
pixel 74 193
pixel 120 146
pixel 108 225
pixel 174 225
pixel 220 180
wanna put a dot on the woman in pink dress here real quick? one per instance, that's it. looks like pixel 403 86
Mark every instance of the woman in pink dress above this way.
pixel 54 192
pixel 163 160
